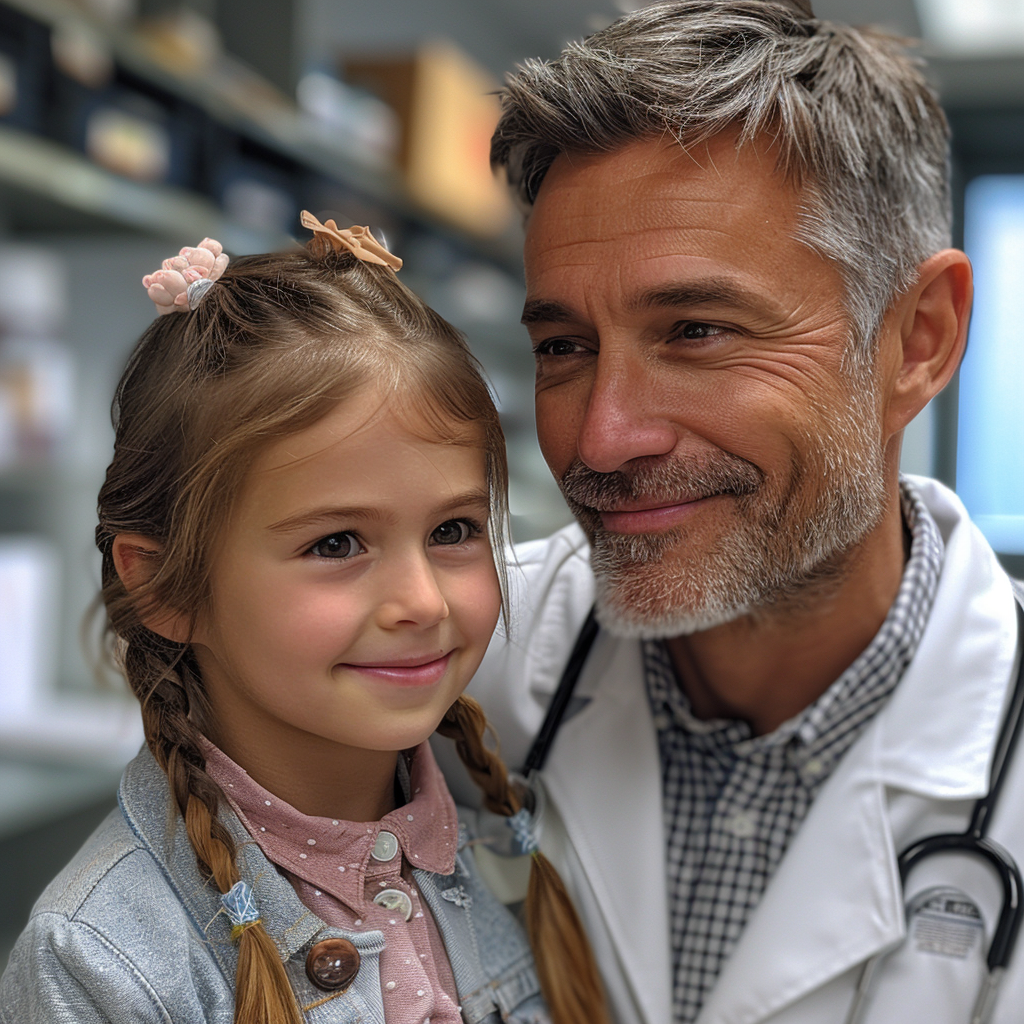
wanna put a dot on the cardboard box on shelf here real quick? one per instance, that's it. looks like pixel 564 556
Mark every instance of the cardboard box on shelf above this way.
pixel 447 110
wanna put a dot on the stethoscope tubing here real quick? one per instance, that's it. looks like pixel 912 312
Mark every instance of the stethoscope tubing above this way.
pixel 1007 928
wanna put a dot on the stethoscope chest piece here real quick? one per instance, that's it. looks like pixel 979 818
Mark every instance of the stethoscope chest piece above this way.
pixel 944 921
pixel 939 972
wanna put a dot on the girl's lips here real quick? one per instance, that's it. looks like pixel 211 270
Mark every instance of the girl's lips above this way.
pixel 651 520
pixel 405 671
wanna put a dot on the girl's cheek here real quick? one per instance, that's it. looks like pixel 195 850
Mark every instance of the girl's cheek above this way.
pixel 486 603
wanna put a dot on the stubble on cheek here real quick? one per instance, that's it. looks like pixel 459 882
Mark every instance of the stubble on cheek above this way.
pixel 774 542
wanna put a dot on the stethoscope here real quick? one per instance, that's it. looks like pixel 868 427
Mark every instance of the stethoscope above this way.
pixel 973 841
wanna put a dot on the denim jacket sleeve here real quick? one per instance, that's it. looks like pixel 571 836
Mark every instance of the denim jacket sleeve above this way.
pixel 78 977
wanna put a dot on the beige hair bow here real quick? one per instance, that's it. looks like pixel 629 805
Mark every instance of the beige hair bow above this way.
pixel 357 240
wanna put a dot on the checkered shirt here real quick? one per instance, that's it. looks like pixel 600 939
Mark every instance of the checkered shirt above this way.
pixel 734 801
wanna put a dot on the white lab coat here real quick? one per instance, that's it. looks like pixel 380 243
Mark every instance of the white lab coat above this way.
pixel 836 898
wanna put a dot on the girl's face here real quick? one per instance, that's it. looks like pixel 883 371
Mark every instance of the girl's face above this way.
pixel 353 590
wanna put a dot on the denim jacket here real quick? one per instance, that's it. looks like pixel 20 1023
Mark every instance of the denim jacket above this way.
pixel 130 932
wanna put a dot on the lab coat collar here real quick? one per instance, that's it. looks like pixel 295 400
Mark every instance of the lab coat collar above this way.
pixel 822 915
pixel 612 812
pixel 970 640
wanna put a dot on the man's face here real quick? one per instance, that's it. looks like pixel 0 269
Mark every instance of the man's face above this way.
pixel 692 395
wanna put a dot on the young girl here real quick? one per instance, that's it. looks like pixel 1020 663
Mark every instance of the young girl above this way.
pixel 298 531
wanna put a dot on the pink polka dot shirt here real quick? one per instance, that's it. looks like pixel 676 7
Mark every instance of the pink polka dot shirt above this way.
pixel 358 876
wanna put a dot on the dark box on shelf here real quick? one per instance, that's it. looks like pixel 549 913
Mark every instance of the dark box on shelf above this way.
pixel 25 69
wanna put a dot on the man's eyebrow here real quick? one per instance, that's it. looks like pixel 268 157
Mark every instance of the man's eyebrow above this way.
pixel 331 515
pixel 698 293
pixel 545 311
pixel 693 293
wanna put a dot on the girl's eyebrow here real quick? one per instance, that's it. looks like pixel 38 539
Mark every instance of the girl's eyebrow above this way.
pixel 328 515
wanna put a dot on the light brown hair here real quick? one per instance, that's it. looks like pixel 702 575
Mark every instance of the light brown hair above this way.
pixel 272 348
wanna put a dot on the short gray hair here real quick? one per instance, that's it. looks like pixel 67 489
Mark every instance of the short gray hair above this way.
pixel 858 129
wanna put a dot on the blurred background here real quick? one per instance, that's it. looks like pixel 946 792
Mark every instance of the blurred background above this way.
pixel 129 128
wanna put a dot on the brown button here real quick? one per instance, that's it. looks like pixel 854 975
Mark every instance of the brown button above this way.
pixel 332 964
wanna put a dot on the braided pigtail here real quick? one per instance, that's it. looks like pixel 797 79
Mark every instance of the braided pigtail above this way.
pixel 263 994
pixel 565 962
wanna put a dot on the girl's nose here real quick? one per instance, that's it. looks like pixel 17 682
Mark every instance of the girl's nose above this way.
pixel 413 595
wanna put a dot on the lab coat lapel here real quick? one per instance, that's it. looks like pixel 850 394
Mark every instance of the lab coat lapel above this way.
pixel 820 916
pixel 612 813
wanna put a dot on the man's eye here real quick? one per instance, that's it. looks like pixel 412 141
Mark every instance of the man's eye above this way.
pixel 337 545
pixel 556 347
pixel 694 330
pixel 454 531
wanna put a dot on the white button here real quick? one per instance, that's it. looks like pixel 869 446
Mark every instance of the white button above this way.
pixel 386 846
pixel 394 899
pixel 814 767
pixel 742 825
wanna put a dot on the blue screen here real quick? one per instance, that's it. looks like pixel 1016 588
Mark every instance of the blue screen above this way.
pixel 990 432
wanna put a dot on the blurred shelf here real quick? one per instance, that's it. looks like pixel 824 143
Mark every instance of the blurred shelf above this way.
pixel 991 81
pixel 234 99
pixel 49 186
pixel 58 476
pixel 92 732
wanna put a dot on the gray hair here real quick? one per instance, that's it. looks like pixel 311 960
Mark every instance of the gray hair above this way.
pixel 858 129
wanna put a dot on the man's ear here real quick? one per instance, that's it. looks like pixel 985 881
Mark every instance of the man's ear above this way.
pixel 934 317
pixel 136 559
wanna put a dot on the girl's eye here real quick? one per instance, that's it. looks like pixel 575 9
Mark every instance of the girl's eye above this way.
pixel 454 531
pixel 337 545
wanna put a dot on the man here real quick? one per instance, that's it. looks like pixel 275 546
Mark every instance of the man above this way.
pixel 739 292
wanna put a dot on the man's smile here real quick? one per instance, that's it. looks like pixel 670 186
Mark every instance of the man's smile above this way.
pixel 650 517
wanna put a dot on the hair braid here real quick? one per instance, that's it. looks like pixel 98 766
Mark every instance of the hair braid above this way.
pixel 565 962
pixel 263 994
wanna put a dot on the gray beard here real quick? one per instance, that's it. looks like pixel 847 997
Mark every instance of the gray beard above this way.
pixel 779 547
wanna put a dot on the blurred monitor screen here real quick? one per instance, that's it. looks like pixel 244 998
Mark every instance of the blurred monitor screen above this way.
pixel 990 434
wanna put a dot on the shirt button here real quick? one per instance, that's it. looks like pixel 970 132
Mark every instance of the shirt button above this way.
pixel 386 846
pixel 742 825
pixel 332 964
pixel 814 767
pixel 394 899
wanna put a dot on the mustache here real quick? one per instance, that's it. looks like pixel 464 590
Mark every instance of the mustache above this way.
pixel 659 481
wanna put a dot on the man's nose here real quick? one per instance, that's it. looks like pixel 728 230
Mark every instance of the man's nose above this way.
pixel 621 422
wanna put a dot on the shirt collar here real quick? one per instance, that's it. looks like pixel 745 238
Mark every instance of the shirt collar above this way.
pixel 333 854
pixel 849 701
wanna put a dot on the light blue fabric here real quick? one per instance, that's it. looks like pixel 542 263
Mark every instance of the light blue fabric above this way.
pixel 129 932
